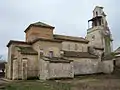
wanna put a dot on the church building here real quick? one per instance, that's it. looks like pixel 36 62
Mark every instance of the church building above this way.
pixel 46 55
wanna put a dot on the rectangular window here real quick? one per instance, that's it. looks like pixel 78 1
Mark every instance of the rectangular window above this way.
pixel 50 54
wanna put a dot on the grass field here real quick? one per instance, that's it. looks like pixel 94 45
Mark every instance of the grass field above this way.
pixel 89 82
pixel 35 85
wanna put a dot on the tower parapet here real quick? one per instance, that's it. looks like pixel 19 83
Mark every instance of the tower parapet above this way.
pixel 99 33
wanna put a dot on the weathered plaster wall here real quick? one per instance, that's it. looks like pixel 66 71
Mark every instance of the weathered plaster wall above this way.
pixel 32 66
pixel 74 46
pixel 38 32
pixel 15 69
pixel 117 62
pixel 11 53
pixel 61 70
pixel 91 66
pixel 107 66
pixel 94 35
pixel 44 67
pixel 85 66
pixel 47 46
pixel 49 70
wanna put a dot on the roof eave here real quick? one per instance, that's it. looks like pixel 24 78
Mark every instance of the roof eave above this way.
pixel 51 27
pixel 12 41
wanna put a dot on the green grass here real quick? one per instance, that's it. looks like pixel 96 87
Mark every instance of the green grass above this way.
pixel 86 82
pixel 36 85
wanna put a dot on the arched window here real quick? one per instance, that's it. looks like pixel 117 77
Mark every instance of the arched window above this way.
pixel 51 54
pixel 96 13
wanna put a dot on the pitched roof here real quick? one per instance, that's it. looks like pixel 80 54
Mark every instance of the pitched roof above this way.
pixel 16 42
pixel 57 59
pixel 29 43
pixel 70 38
pixel 27 50
pixel 42 24
pixel 117 50
pixel 39 24
pixel 79 54
pixel 44 39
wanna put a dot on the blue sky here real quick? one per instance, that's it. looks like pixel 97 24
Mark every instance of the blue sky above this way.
pixel 68 16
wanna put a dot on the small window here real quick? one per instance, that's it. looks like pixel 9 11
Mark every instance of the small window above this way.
pixel 95 23
pixel 99 21
pixel 41 53
pixel 96 13
pixel 50 54
pixel 76 47
pixel 93 37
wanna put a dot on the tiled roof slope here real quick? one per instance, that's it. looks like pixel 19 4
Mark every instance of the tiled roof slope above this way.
pixel 40 24
pixel 70 38
pixel 57 59
pixel 27 50
pixel 79 54
pixel 117 50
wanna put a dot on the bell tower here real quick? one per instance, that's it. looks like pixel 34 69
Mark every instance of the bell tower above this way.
pixel 99 34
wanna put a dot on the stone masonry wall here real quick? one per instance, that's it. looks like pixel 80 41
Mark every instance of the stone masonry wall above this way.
pixel 61 70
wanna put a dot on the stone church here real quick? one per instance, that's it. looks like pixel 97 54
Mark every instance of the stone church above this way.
pixel 47 55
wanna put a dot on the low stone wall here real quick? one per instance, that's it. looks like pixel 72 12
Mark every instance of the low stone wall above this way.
pixel 61 70
pixel 51 70
pixel 92 66
pixel 86 66
pixel 117 62
pixel 107 66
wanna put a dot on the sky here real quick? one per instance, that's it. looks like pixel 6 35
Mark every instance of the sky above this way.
pixel 70 17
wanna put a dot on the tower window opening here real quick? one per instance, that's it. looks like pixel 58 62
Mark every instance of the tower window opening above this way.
pixel 95 23
pixel 99 21
pixel 96 13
